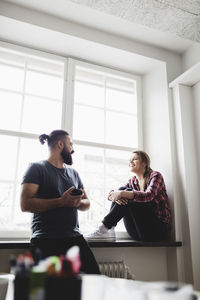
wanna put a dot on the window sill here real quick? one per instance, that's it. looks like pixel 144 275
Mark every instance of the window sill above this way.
pixel 131 243
pixel 120 242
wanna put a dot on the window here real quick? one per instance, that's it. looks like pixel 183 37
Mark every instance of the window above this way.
pixel 105 131
pixel 31 89
pixel 98 106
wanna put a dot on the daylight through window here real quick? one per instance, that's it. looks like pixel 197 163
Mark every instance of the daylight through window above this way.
pixel 98 106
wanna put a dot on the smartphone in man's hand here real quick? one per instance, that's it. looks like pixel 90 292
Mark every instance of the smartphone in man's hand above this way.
pixel 76 192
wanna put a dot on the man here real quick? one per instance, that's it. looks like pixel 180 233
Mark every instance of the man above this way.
pixel 46 192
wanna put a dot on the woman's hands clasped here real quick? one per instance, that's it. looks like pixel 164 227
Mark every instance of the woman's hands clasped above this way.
pixel 116 196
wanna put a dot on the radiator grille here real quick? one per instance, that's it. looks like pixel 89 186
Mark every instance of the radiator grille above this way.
pixel 116 269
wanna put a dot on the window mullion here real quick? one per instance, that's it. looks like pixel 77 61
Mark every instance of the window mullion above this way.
pixel 18 134
pixel 104 110
pixel 139 113
pixel 102 145
pixel 104 180
pixel 68 96
pixel 64 96
pixel 23 96
pixel 10 91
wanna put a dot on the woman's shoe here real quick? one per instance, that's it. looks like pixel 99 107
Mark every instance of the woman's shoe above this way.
pixel 102 233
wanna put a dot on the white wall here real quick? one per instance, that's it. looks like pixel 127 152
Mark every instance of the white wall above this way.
pixel 156 124
pixel 186 110
pixel 195 186
pixel 162 143
pixel 145 263
pixel 182 232
pixel 156 121
pixel 196 99
pixel 191 57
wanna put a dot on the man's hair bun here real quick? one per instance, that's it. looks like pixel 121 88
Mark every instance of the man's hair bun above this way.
pixel 44 138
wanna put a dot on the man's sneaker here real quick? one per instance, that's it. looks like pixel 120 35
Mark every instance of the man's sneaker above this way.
pixel 101 235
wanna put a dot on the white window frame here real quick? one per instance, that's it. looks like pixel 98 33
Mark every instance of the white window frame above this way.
pixel 68 108
pixel 72 63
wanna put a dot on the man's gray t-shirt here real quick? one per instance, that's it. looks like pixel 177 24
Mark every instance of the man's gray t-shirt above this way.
pixel 53 182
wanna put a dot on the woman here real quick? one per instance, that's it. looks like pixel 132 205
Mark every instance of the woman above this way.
pixel 142 203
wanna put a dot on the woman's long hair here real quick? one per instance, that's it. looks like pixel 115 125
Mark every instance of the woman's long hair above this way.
pixel 145 159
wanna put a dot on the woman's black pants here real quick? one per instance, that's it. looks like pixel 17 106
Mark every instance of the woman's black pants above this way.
pixel 140 221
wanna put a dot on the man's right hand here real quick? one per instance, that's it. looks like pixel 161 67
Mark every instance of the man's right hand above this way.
pixel 71 201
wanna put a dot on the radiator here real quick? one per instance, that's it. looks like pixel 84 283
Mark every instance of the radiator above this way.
pixel 116 269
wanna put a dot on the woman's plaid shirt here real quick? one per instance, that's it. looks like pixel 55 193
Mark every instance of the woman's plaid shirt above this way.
pixel 155 192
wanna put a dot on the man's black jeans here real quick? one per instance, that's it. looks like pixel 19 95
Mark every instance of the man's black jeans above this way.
pixel 59 246
pixel 140 221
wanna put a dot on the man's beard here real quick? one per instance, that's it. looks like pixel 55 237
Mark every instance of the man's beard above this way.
pixel 67 157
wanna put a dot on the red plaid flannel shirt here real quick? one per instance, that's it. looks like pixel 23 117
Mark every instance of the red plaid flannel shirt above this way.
pixel 155 192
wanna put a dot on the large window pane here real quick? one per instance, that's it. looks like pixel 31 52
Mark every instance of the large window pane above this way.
pixel 8 157
pixel 121 129
pixel 11 78
pixel 116 169
pixel 121 101
pixel 30 151
pixel 21 220
pixel 41 115
pixel 100 170
pixel 45 85
pixel 89 162
pixel 116 174
pixel 88 124
pixel 89 94
pixel 6 196
pixel 116 95
pixel 10 110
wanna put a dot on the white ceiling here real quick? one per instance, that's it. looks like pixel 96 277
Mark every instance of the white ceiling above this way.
pixel 128 18
pixel 180 17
